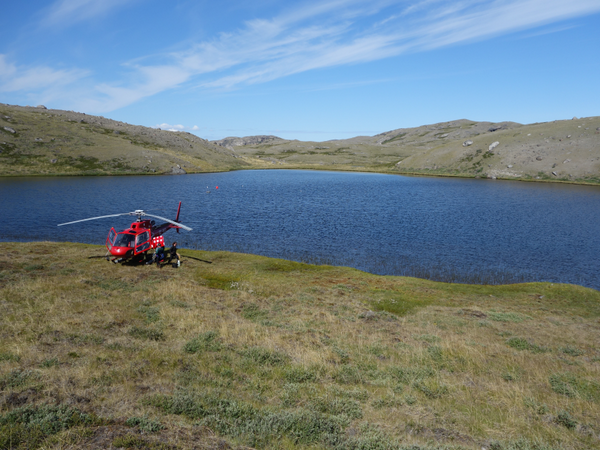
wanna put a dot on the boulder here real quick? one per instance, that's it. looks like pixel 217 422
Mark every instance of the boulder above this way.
pixel 554 173
pixel 177 171
pixel 10 130
pixel 368 315
pixel 41 107
pixel 539 158
pixel 493 146
pixel 467 143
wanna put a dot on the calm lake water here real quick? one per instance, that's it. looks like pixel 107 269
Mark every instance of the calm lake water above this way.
pixel 476 231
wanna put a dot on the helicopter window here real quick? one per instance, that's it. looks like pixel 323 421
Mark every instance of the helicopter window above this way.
pixel 124 240
pixel 111 235
pixel 142 238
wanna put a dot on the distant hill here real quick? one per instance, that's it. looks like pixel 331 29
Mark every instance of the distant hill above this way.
pixel 566 150
pixel 40 141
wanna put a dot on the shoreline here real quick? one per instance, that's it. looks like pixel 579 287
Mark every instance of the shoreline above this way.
pixel 321 168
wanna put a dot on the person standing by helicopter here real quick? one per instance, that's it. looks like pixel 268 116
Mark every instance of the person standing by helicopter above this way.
pixel 159 254
pixel 173 254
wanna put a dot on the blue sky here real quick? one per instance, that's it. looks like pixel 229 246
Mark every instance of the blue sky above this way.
pixel 308 70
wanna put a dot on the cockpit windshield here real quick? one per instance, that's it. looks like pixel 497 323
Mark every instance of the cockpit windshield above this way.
pixel 124 240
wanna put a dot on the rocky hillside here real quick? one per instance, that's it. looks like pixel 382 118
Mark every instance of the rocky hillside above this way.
pixel 37 140
pixel 41 141
pixel 232 142
pixel 567 150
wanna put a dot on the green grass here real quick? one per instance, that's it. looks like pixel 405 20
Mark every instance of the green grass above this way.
pixel 292 356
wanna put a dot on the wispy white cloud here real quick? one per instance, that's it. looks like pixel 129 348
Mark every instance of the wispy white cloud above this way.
pixel 168 127
pixel 14 78
pixel 66 12
pixel 312 36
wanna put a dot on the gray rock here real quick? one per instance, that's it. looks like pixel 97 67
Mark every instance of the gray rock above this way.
pixel 41 107
pixel 467 143
pixel 496 128
pixel 10 130
pixel 368 315
pixel 116 132
pixel 231 142
pixel 177 171
pixel 539 158
pixel 493 146
pixel 509 166
pixel 39 140
pixel 568 136
pixel 574 118
pixel 444 135
pixel 54 161
pixel 554 173
pixel 566 161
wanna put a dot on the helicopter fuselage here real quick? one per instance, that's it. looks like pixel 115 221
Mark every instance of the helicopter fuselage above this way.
pixel 140 237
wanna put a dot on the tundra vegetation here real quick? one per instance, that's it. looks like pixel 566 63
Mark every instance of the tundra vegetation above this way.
pixel 558 151
pixel 40 141
pixel 254 352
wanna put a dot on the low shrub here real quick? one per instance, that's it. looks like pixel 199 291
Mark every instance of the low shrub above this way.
pixel 144 424
pixel 348 374
pixel 300 374
pixel 204 342
pixel 566 420
pixel 431 388
pixel 572 386
pixel 337 407
pixel 410 375
pixel 150 334
pixel 523 344
pixel 16 378
pixel 571 351
pixel 507 317
pixel 263 356
pixel 28 426
pixel 9 357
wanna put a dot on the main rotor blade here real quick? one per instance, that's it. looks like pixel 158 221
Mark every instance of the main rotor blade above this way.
pixel 170 221
pixel 93 218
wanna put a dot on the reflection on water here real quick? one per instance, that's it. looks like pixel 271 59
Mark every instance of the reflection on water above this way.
pixel 476 231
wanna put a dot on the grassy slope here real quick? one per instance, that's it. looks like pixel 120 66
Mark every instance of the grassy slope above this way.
pixel 569 148
pixel 54 142
pixel 253 351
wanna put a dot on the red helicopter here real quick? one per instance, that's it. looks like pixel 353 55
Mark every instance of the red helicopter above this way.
pixel 140 237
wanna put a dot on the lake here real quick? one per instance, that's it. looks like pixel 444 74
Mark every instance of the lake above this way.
pixel 459 230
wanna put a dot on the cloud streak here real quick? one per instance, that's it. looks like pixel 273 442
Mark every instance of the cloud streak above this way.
pixel 67 12
pixel 315 36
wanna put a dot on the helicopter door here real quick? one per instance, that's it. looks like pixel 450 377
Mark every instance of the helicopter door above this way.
pixel 142 242
pixel 110 240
